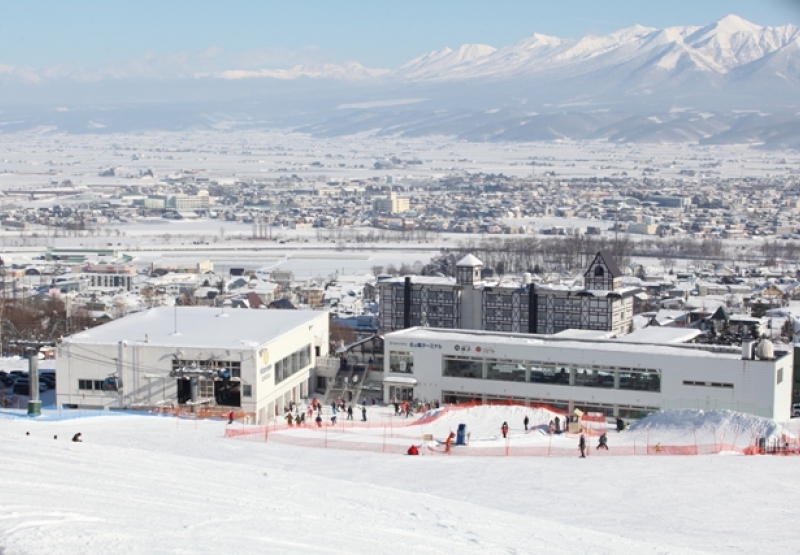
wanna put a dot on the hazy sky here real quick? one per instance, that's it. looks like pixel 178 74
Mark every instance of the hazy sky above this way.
pixel 62 37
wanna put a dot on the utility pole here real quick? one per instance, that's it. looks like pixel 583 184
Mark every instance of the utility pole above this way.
pixel 32 348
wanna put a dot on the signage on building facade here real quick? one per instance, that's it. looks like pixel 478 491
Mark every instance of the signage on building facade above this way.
pixel 419 345
pixel 475 348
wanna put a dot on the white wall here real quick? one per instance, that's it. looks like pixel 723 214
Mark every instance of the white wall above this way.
pixel 144 364
pixel 755 389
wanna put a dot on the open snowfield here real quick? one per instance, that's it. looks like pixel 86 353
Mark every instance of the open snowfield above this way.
pixel 146 484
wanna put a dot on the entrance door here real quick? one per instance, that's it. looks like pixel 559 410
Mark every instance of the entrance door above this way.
pixel 184 390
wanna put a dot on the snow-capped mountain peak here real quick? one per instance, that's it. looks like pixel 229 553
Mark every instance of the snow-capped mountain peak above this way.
pixel 432 64
pixel 718 48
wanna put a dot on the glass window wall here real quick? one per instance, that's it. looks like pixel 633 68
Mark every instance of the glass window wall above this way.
pixel 456 367
pixel 505 370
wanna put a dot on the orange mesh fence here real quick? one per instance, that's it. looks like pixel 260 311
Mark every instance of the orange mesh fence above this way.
pixel 398 442
pixel 395 435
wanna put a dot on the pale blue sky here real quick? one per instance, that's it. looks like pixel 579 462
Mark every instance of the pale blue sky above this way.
pixel 96 33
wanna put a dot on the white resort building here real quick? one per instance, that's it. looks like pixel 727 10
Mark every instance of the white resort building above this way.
pixel 630 376
pixel 250 361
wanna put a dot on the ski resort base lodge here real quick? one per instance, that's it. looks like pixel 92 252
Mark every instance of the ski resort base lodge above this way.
pixel 630 376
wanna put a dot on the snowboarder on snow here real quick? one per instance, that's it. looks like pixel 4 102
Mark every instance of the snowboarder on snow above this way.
pixel 77 438
pixel 318 420
pixel 603 442
pixel 526 421
pixel 504 429
pixel 289 419
pixel 557 422
pixel 363 414
pixel 413 450
pixel 230 417
pixel 582 446
pixel 349 412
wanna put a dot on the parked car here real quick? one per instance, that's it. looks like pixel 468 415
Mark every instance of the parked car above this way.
pixel 22 386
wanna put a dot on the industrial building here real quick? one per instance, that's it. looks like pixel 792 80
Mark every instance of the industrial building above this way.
pixel 250 361
pixel 631 376
pixel 469 302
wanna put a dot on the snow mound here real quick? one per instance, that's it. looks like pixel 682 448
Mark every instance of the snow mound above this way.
pixel 719 421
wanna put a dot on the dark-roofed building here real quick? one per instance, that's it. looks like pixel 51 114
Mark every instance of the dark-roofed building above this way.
pixel 470 302
pixel 603 274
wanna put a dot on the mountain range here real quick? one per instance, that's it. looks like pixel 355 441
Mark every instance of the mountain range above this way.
pixel 728 82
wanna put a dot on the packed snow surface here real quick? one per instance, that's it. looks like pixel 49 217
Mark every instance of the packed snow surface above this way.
pixel 147 484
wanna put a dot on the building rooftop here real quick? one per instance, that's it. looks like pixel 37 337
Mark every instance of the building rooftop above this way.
pixel 198 327
pixel 470 261
pixel 662 346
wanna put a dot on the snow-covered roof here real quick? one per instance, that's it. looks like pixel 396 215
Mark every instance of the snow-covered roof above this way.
pixel 421 280
pixel 658 334
pixel 470 261
pixel 561 345
pixel 199 327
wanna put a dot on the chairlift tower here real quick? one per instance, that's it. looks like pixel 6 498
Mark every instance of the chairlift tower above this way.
pixel 32 349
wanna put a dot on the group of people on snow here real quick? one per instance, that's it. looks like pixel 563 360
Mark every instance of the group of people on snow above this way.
pixel 602 444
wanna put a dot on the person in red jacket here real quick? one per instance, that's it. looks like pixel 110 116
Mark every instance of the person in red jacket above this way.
pixel 504 429
pixel 413 450
pixel 449 442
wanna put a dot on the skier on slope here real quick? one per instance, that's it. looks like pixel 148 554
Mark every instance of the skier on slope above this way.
pixel 504 429
pixel 603 442
pixel 526 421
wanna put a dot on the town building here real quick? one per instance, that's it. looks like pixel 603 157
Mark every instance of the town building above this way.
pixel 469 302
pixel 250 361
pixel 632 376
pixel 110 277
pixel 391 205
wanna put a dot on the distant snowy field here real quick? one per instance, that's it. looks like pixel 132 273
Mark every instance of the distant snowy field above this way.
pixel 144 484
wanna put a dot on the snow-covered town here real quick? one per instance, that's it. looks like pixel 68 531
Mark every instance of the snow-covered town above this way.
pixel 344 280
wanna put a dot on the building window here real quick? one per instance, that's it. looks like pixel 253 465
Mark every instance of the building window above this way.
pixel 505 370
pixel 247 390
pixel 290 365
pixel 640 380
pixel 594 377
pixel 780 375
pixel 545 373
pixel 708 384
pixel 85 385
pixel 401 362
pixel 456 367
